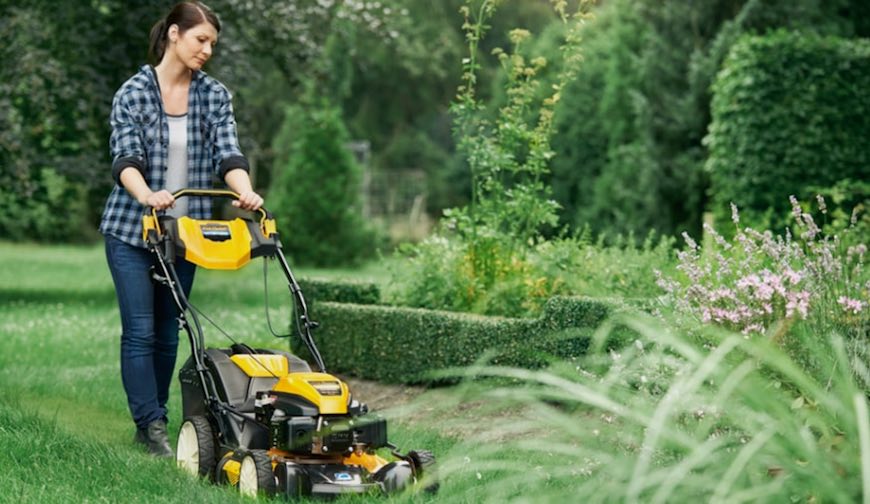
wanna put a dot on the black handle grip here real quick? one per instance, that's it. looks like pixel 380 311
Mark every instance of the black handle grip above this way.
pixel 220 193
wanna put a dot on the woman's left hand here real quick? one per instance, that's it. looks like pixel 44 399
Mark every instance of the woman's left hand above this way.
pixel 248 200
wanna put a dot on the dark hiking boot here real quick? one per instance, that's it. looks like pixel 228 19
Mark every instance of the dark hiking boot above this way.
pixel 141 437
pixel 157 440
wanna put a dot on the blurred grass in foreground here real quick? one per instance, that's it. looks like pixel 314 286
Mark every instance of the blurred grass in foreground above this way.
pixel 671 420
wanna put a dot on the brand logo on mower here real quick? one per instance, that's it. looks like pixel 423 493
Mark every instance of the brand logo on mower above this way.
pixel 326 387
pixel 215 232
pixel 343 477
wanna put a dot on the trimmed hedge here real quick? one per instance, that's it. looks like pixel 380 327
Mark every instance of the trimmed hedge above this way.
pixel 789 111
pixel 401 345
pixel 320 290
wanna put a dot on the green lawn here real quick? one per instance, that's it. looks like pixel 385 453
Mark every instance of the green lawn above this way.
pixel 64 425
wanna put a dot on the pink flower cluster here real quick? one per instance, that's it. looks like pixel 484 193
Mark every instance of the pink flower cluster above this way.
pixel 853 306
pixel 760 278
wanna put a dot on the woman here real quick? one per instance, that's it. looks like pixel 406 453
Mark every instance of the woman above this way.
pixel 172 127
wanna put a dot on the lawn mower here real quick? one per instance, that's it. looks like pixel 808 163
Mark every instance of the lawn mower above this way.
pixel 262 420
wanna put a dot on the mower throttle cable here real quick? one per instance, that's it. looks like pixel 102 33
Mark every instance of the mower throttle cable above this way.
pixel 266 301
pixel 213 323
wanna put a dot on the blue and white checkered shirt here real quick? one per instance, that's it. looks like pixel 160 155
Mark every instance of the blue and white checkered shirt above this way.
pixel 140 139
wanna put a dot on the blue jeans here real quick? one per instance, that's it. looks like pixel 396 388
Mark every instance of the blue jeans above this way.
pixel 149 328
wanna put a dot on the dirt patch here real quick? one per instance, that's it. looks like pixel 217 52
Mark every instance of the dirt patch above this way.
pixel 380 396
pixel 460 412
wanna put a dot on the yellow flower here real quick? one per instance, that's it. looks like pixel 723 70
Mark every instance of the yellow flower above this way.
pixel 517 35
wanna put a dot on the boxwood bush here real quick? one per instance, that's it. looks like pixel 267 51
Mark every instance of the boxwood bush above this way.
pixel 789 111
pixel 402 345
pixel 318 290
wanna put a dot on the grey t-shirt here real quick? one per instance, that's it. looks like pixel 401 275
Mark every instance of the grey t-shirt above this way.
pixel 176 170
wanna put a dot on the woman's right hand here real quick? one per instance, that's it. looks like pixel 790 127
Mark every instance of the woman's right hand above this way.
pixel 159 200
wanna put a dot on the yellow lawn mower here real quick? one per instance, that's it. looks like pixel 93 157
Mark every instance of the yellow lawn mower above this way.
pixel 262 420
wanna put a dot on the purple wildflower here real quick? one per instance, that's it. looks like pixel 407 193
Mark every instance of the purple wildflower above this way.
pixel 821 200
pixel 854 306
pixel 795 208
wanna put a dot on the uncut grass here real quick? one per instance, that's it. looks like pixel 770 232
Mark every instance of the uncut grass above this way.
pixel 44 463
pixel 668 420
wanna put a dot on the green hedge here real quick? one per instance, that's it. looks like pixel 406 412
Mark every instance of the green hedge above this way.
pixel 401 345
pixel 344 291
pixel 789 111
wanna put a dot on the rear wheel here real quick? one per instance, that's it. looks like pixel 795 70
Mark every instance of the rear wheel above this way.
pixel 195 450
pixel 425 469
pixel 255 475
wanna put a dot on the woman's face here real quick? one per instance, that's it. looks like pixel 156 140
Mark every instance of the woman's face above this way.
pixel 194 47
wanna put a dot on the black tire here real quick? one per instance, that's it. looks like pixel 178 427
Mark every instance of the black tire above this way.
pixel 425 469
pixel 255 475
pixel 195 449
pixel 395 476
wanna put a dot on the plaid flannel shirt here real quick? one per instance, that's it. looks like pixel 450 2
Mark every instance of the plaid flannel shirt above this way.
pixel 140 139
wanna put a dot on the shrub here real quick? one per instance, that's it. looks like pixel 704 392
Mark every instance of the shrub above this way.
pixel 479 260
pixel 439 273
pixel 403 345
pixel 490 278
pixel 620 268
pixel 759 279
pixel 789 112
pixel 344 291
pixel 47 206
pixel 315 191
pixel 846 206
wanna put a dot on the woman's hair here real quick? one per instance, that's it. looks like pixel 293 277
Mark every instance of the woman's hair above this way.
pixel 186 15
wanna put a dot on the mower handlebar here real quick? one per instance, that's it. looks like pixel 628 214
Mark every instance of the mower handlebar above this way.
pixel 220 193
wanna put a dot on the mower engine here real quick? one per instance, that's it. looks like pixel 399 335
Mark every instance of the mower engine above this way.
pixel 321 434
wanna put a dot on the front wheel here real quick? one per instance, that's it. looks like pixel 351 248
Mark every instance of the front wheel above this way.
pixel 255 474
pixel 195 450
pixel 425 471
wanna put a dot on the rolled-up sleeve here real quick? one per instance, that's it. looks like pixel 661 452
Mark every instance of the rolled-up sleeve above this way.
pixel 125 143
pixel 228 155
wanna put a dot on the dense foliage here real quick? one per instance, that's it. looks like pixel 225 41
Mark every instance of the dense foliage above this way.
pixel 789 114
pixel 629 151
pixel 637 110
pixel 315 194
pixel 59 66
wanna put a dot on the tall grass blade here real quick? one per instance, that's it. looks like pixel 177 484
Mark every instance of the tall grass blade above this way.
pixel 739 464
pixel 676 394
pixel 864 436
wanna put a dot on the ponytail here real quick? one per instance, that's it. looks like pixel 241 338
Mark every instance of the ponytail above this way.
pixel 157 41
pixel 186 15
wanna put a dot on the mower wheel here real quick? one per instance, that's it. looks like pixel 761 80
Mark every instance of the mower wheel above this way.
pixel 425 469
pixel 195 450
pixel 220 476
pixel 255 475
